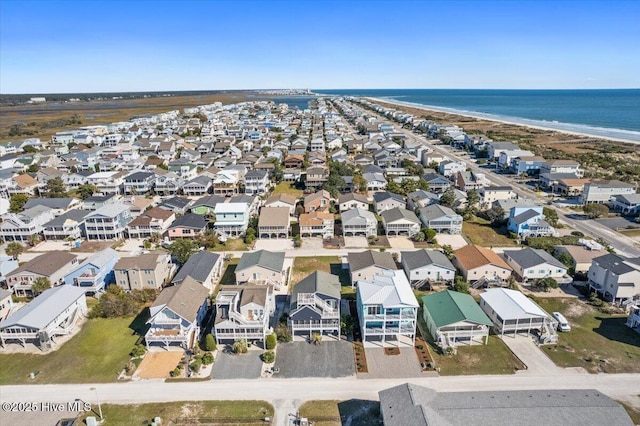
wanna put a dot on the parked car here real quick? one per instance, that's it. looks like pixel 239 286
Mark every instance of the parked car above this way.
pixel 563 324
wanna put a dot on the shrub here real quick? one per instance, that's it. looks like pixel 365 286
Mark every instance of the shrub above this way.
pixel 130 368
pixel 195 365
pixel 138 350
pixel 316 338
pixel 209 343
pixel 271 342
pixel 577 234
pixel 284 333
pixel 207 358
pixel 239 347
pixel 268 357
pixel 176 372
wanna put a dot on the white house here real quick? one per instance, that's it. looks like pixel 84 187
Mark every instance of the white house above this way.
pixel 531 264
pixel 427 266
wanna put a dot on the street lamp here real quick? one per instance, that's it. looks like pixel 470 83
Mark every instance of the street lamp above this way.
pixel 98 399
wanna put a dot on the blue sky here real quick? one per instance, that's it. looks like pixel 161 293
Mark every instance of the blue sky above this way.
pixel 85 46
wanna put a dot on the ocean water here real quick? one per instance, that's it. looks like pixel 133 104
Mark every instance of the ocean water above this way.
pixel 615 111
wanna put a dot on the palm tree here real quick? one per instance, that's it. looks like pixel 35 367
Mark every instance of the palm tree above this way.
pixel 14 249
pixel 316 338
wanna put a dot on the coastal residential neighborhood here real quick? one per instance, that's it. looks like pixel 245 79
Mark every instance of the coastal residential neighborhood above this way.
pixel 264 242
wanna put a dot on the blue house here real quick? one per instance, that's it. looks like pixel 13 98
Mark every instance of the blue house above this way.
pixel 529 222
pixel 95 272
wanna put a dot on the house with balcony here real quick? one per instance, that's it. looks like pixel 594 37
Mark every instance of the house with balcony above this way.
pixel 283 200
pixel 316 176
pixel 155 221
pixel 385 200
pixel 139 183
pixel 256 182
pixel 477 263
pixel 318 201
pixel 21 226
pixel 197 186
pixel 387 309
pixel 530 264
pixel 57 206
pixel 491 194
pixel 22 184
pixel 562 166
pixel 365 265
pixel 150 270
pixel 273 222
pixel 52 265
pixel 441 219
pixel 94 202
pixel 168 184
pixel 232 219
pixel 262 267
pixel 108 222
pixel 107 182
pixel 227 182
pixel 317 224
pixel 315 306
pixel 420 198
pixel 243 312
pixel 95 272
pixel 627 204
pixel 529 166
pixel 53 313
pixel 359 222
pixel 449 168
pixel 204 267
pixel 207 204
pixel 400 221
pixel 375 181
pixel 427 267
pixel 352 200
pixel 530 223
pixel 188 226
pixel 437 183
pixel 177 315
pixel 602 191
pixel 614 277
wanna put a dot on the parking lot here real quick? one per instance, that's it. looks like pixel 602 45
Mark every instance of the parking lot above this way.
pixel 231 366
pixel 327 359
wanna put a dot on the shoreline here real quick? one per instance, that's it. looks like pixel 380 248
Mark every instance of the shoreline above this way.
pixel 524 122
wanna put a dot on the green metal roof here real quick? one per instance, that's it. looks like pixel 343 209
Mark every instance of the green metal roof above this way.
pixel 448 307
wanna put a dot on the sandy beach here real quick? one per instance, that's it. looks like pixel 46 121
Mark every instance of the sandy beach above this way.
pixel 616 135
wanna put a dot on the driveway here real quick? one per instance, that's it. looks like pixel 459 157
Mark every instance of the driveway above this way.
pixel 382 366
pixel 533 357
pixel 455 241
pixel 312 243
pixel 356 242
pixel 231 366
pixel 400 242
pixel 276 244
pixel 302 359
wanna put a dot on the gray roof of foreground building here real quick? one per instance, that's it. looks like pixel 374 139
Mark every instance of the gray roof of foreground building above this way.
pixel 413 405
pixel 419 258
pixel 368 258
pixel 266 259
pixel 198 267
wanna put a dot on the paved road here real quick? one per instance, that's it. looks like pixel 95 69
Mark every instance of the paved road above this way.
pixel 623 244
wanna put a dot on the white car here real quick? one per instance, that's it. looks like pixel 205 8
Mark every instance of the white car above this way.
pixel 563 324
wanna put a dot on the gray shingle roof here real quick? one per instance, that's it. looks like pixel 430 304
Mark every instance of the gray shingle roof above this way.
pixel 525 216
pixel 198 266
pixel 613 263
pixel 386 195
pixel 413 405
pixel 436 211
pixel 184 299
pixel 190 220
pixel 46 264
pixel 318 282
pixel 52 203
pixel 528 258
pixel 368 258
pixel 419 258
pixel 398 213
pixel 356 216
pixel 75 215
pixel 263 258
pixel 45 308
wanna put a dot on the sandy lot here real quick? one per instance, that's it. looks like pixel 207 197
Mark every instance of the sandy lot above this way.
pixel 158 365
pixel 400 242
pixel 455 241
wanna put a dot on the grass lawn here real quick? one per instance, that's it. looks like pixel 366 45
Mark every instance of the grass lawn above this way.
pixel 492 358
pixel 286 188
pixel 597 342
pixel 232 244
pixel 96 354
pixel 188 412
pixel 229 276
pixel 480 231
pixel 335 413
pixel 303 266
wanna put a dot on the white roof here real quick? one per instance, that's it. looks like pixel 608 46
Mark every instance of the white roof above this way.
pixel 101 175
pixel 390 289
pixel 511 304
pixel 230 207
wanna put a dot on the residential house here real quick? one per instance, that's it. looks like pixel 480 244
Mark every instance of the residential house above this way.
pixel 359 222
pixel 365 265
pixel 315 306
pixel 95 272
pixel 375 181
pixel 504 208
pixel 273 222
pixel 530 223
pixel 139 183
pixel 562 166
pixel 469 181
pixel 261 267
pixel 581 256
pixel 477 263
pixel 197 186
pixel 437 183
pixel 109 222
pixel 441 219
pixel 387 200
pixel 387 309
pixel 227 182
pixel 178 205
pixel 108 182
pixel 508 155
pixel 155 221
pixel 450 168
pixel 427 267
pixel 627 204
pixel 531 264
pixel 318 201
pixel 168 184
pixel 513 312
pixel 529 166
pixel 53 313
pixel 204 267
pixel 400 221
pixel 52 265
pixel 22 184
pixel 6 302
pixel 494 149
pixel 137 204
pixel 454 318
pixel 94 202
pixel 177 315
pixel 57 206
pixel 602 191
pixel 7 265
pixel 282 200
pixel 419 199
pixel 614 277
pixel 188 226
pixel 243 313
pixel 491 194
pixel 294 161
pixel 256 182
pixel 571 187
pixel 317 223
pixel 232 219
pixel 150 270
pixel 316 176
pixel 352 201
pixel 207 204
pixel 21 226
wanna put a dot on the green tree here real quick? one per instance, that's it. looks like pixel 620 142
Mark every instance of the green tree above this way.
pixel 595 211
pixel 115 302
pixel 209 343
pixel 86 191
pixel 55 188
pixel 33 240
pixel 447 250
pixel 14 249
pixel 448 199
pixel 268 357
pixel 271 342
pixel 359 183
pixel 551 216
pixel 39 285
pixel 419 237
pixel 460 285
pixel 33 168
pixel 472 204
pixel 429 234
pixel 182 249
pixel 545 284
pixel 17 202
pixel 29 149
